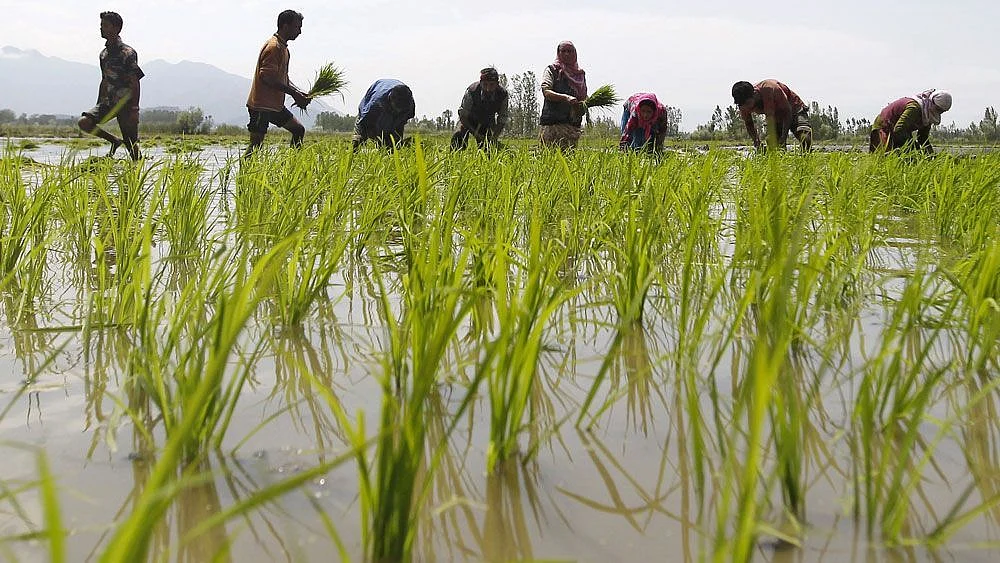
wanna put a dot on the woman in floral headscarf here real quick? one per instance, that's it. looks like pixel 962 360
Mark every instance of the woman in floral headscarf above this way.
pixel 564 90
pixel 644 123
pixel 894 127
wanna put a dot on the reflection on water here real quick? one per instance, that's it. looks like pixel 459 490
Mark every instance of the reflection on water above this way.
pixel 648 479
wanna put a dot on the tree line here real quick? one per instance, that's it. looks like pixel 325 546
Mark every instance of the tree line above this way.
pixel 724 124
pixel 190 121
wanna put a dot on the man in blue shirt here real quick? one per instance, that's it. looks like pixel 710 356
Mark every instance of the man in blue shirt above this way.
pixel 383 113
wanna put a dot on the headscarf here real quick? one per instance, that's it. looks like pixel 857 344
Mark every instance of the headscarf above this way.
pixel 932 104
pixel 566 63
pixel 489 73
pixel 635 121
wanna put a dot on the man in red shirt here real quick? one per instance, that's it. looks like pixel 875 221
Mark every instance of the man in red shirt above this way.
pixel 782 109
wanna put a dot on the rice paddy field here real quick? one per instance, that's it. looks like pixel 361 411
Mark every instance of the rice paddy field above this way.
pixel 519 356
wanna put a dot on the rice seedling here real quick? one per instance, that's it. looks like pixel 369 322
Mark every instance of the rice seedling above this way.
pixel 185 216
pixel 524 304
pixel 24 217
pixel 197 401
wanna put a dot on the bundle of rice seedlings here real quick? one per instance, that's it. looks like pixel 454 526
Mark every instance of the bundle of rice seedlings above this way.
pixel 603 97
pixel 329 80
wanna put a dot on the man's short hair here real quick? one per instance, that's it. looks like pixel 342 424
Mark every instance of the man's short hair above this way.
pixel 114 18
pixel 742 91
pixel 289 17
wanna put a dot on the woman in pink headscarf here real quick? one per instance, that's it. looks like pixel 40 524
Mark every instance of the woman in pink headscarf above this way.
pixel 564 90
pixel 644 123
pixel 895 125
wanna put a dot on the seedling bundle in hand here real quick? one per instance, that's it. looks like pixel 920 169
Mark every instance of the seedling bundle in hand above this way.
pixel 603 97
pixel 329 80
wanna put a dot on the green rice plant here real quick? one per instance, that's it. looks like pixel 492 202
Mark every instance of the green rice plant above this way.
pixel 894 398
pixel 394 484
pixel 53 532
pixel 277 197
pixel 311 263
pixel 129 206
pixel 197 402
pixel 24 217
pixel 524 304
pixel 978 279
pixel 633 259
pixel 74 211
pixel 314 257
pixel 185 213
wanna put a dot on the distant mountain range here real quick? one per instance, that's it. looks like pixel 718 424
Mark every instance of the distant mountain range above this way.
pixel 38 84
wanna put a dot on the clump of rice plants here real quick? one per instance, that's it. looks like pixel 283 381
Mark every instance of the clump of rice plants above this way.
pixel 525 302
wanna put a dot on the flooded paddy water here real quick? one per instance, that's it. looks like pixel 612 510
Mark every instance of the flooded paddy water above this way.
pixel 596 357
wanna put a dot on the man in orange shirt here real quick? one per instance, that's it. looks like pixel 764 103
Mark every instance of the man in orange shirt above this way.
pixel 782 109
pixel 266 103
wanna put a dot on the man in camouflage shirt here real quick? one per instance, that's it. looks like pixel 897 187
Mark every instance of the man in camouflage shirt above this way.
pixel 118 95
pixel 484 112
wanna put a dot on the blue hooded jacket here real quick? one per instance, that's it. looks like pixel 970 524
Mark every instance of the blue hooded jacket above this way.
pixel 377 118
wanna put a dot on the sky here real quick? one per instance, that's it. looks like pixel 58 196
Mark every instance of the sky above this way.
pixel 856 55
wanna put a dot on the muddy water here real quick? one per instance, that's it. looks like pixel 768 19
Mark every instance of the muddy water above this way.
pixel 624 491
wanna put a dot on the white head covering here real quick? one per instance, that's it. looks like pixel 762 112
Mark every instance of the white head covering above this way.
pixel 932 104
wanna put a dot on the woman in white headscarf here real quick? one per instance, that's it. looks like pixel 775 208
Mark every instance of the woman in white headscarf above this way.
pixel 895 125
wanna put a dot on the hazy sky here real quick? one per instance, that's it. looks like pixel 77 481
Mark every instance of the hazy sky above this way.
pixel 857 55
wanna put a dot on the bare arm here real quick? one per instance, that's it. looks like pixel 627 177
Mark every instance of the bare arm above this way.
pixel 661 136
pixel 751 127
pixel 924 140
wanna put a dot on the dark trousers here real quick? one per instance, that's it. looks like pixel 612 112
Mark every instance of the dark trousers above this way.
pixel 461 137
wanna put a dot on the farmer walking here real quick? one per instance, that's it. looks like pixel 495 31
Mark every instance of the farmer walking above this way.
pixel 782 109
pixel 564 93
pixel 118 94
pixel 644 123
pixel 895 125
pixel 484 111
pixel 266 103
pixel 383 112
